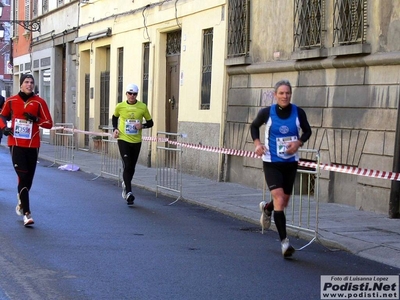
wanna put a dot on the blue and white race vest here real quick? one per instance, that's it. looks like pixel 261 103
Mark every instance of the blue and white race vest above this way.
pixel 278 133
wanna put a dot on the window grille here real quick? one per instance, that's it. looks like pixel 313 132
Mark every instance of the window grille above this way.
pixel 15 17
pixel 349 22
pixel 308 24
pixel 174 43
pixel 120 74
pixel 145 81
pixel 27 9
pixel 206 68
pixel 104 98
pixel 238 28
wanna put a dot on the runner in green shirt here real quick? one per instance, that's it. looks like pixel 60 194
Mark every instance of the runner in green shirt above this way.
pixel 127 123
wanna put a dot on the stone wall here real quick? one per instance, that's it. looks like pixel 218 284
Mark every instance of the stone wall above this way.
pixel 353 114
pixel 349 92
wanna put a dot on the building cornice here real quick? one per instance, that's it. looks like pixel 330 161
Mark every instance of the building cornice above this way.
pixel 377 59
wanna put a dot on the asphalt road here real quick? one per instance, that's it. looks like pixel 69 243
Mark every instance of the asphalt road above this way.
pixel 87 244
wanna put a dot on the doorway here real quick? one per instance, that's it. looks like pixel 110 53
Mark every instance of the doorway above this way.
pixel 172 81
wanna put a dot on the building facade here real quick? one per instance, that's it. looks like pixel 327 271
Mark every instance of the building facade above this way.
pixel 48 52
pixel 342 58
pixel 205 68
pixel 174 52
pixel 5 51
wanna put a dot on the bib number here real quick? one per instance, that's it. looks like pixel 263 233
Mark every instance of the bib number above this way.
pixel 23 129
pixel 130 127
pixel 281 146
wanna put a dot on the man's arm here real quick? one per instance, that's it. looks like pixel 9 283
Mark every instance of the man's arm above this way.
pixel 261 118
pixel 148 124
pixel 44 119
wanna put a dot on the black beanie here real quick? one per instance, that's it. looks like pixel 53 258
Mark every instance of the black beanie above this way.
pixel 24 76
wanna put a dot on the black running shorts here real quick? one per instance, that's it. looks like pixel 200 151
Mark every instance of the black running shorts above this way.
pixel 280 175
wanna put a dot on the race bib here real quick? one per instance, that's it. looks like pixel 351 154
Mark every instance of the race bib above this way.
pixel 130 127
pixel 23 129
pixel 281 146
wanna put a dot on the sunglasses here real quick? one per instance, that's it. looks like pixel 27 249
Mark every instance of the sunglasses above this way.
pixel 129 93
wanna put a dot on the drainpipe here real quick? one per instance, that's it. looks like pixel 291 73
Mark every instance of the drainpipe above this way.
pixel 395 187
pixel 152 105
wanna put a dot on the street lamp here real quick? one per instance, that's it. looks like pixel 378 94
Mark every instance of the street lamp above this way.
pixel 27 25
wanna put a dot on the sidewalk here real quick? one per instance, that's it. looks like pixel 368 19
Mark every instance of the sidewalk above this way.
pixel 369 235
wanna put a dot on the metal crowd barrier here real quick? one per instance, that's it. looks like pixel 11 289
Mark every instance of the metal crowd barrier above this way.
pixel 303 209
pixel 111 164
pixel 63 144
pixel 169 163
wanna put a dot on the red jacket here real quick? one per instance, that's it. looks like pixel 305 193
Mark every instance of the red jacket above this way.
pixel 26 134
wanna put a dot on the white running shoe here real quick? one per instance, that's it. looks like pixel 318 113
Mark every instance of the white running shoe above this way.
pixel 265 219
pixel 123 190
pixel 287 249
pixel 28 220
pixel 130 199
pixel 18 208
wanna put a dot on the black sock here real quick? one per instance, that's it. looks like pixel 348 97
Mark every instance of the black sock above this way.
pixel 280 223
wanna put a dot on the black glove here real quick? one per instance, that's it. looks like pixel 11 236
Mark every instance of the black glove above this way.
pixel 7 131
pixel 30 117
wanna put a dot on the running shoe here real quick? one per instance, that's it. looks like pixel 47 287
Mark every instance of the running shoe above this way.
pixel 265 219
pixel 28 220
pixel 130 199
pixel 123 190
pixel 18 208
pixel 287 249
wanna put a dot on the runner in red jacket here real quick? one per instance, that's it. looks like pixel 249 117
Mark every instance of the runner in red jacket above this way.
pixel 26 112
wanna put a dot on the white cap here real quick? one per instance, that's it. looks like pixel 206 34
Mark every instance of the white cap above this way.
pixel 132 88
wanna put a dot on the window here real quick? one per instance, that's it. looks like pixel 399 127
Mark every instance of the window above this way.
pixel 15 17
pixel 45 6
pixel 308 24
pixel 7 65
pixel 60 3
pixel 27 9
pixel 35 8
pixel 349 22
pixel 104 98
pixel 145 81
pixel 120 74
pixel 45 88
pixel 206 68
pixel 238 28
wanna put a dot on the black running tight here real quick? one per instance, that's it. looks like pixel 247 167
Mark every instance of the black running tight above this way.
pixel 129 154
pixel 24 161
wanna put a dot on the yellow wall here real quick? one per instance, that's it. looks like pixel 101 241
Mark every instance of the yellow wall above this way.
pixel 129 32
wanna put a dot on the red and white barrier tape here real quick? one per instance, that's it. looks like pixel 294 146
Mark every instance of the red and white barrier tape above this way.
pixel 217 149
pixel 153 139
pixel 354 171
pixel 330 167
